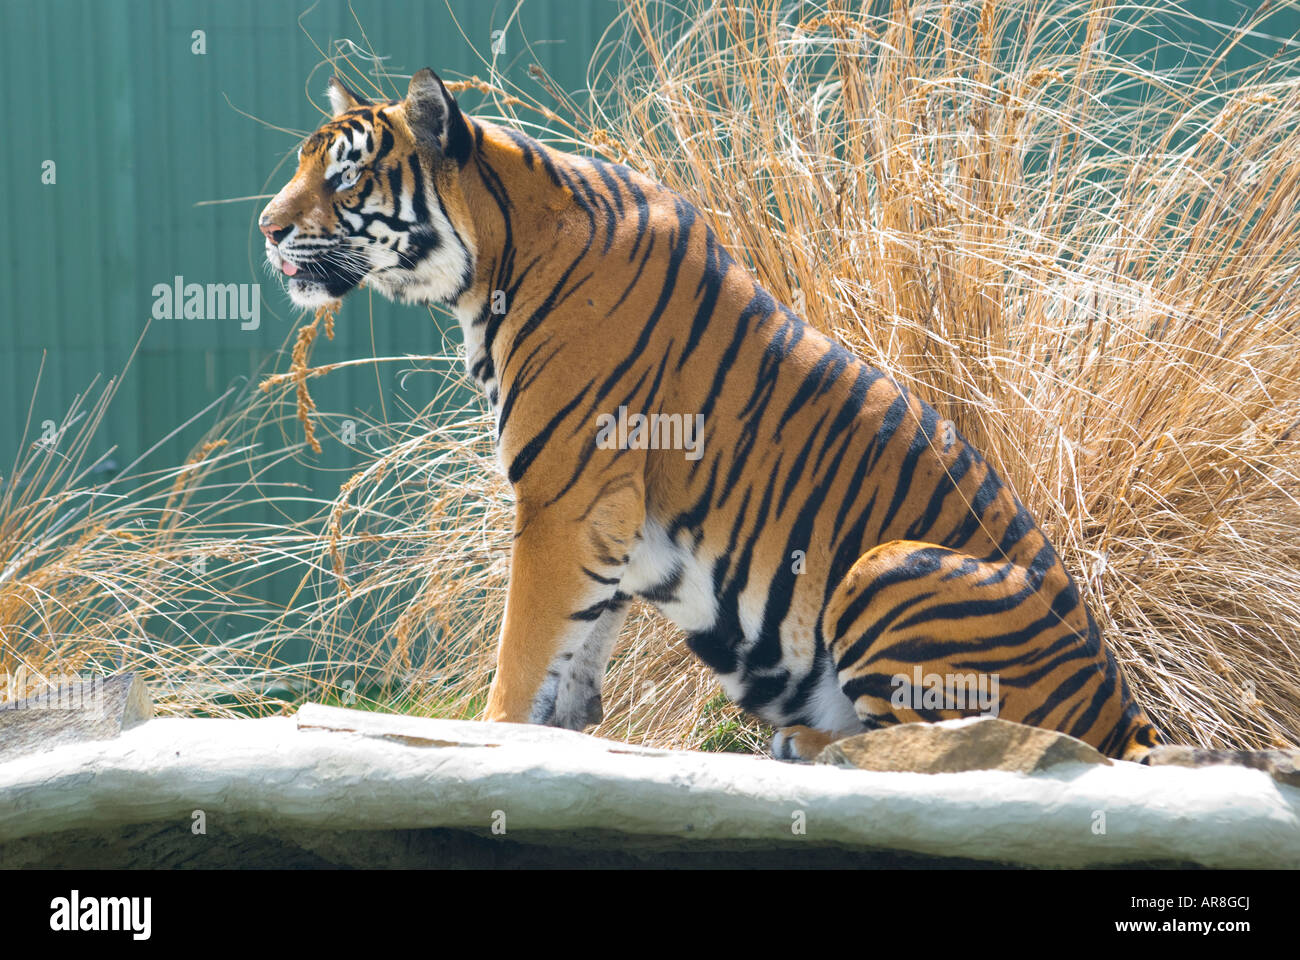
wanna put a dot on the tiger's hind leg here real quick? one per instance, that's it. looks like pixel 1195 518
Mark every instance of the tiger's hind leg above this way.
pixel 827 716
pixel 920 632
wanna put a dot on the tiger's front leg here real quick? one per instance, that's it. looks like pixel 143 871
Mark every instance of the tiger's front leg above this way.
pixel 570 694
pixel 563 606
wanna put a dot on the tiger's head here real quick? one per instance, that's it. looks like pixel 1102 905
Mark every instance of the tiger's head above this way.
pixel 376 199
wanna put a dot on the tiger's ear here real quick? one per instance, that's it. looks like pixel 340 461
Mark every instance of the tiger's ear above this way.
pixel 343 98
pixel 434 116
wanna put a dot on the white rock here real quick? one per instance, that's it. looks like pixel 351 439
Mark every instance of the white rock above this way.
pixel 339 769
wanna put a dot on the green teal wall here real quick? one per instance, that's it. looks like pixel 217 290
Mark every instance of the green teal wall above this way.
pixel 141 129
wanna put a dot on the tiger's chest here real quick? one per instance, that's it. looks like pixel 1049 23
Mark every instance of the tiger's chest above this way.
pixel 672 576
pixel 474 314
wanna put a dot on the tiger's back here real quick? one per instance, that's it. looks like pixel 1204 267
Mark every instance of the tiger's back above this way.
pixel 826 542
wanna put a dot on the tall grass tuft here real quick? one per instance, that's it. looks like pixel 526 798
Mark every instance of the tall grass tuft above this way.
pixel 1087 260
pixel 106 568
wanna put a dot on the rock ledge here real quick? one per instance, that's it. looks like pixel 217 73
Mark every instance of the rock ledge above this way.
pixel 372 789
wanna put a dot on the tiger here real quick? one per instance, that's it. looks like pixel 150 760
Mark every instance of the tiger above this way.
pixel 826 542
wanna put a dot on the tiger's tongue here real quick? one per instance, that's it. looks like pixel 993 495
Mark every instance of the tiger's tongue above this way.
pixel 288 268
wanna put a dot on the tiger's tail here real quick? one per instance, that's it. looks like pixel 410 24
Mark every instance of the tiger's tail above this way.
pixel 1283 765
pixel 1142 743
pixel 1140 740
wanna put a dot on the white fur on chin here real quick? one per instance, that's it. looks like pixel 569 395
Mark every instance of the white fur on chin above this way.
pixel 309 294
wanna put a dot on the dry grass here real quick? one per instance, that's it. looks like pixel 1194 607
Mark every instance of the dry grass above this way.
pixel 299 370
pixel 141 568
pixel 1087 263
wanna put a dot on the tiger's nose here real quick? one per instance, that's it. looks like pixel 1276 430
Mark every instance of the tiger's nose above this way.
pixel 273 231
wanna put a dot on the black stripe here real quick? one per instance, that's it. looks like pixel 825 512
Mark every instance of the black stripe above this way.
pixel 519 466
pixel 592 612
pixel 608 581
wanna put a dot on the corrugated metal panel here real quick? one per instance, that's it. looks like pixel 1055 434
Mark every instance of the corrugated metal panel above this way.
pixel 141 129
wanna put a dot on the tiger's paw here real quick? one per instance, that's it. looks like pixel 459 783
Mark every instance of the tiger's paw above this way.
pixel 569 696
pixel 801 744
pixel 577 704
